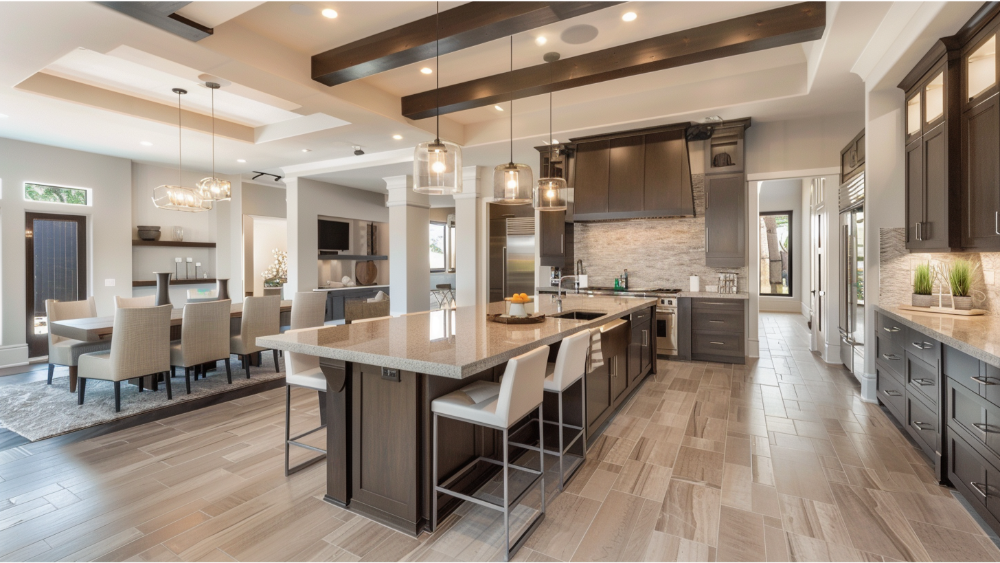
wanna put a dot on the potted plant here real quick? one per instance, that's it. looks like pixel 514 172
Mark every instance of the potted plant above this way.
pixel 960 280
pixel 923 285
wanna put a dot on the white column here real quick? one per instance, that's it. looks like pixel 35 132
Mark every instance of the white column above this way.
pixel 468 218
pixel 302 273
pixel 409 256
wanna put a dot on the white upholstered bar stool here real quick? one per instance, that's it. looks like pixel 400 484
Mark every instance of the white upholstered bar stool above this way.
pixel 301 370
pixel 569 368
pixel 127 302
pixel 498 406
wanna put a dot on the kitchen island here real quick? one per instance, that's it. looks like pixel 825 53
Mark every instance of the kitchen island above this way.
pixel 382 376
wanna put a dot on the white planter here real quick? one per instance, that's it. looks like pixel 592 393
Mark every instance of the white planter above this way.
pixel 517 310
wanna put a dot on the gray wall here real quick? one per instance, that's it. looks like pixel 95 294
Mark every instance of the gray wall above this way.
pixel 264 201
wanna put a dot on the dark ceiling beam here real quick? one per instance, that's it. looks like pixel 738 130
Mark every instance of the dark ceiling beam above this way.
pixel 787 25
pixel 161 15
pixel 466 26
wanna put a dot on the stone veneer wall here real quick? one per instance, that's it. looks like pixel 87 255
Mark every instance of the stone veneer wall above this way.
pixel 657 252
pixel 896 266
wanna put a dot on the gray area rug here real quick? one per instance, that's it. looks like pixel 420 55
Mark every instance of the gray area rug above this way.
pixel 38 411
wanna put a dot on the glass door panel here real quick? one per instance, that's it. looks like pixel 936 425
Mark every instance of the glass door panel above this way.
pixel 982 69
pixel 913 116
pixel 56 256
pixel 934 99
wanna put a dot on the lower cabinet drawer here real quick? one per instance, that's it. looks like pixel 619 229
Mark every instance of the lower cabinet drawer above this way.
pixel 922 378
pixel 718 304
pixel 718 321
pixel 716 344
pixel 978 418
pixel 922 423
pixel 974 477
pixel 891 393
pixel 890 354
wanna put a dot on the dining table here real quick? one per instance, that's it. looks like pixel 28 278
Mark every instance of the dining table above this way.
pixel 94 329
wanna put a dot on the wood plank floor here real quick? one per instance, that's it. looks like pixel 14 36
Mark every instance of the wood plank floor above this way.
pixel 778 460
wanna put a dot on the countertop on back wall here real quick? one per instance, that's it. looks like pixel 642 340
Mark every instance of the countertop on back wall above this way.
pixel 694 294
pixel 352 287
pixel 978 337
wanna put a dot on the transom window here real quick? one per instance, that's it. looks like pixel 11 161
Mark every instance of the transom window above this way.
pixel 56 194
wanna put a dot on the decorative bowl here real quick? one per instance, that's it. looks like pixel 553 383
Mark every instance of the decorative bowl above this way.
pixel 517 309
pixel 148 233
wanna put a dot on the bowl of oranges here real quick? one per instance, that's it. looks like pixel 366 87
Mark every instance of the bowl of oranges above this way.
pixel 517 303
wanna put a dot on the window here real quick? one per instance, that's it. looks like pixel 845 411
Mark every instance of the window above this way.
pixel 438 246
pixel 776 253
pixel 56 194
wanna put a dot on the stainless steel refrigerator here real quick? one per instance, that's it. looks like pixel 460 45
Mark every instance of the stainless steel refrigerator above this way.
pixel 512 256
pixel 852 275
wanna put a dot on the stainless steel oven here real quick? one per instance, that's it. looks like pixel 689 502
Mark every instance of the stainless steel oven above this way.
pixel 666 326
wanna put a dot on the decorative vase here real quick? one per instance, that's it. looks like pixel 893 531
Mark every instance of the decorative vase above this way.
pixel 179 233
pixel 962 302
pixel 922 300
pixel 162 288
pixel 223 287
pixel 517 310
pixel 148 233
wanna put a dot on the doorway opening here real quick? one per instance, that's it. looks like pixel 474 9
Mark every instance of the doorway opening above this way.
pixel 56 268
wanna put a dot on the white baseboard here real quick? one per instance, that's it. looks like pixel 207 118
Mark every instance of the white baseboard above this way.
pixel 806 311
pixel 13 355
pixel 779 305
pixel 831 353
pixel 753 348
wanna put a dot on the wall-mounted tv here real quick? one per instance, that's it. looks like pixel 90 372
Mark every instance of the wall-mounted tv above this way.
pixel 334 236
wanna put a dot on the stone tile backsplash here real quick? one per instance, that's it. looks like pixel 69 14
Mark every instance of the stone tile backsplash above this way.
pixel 896 266
pixel 657 252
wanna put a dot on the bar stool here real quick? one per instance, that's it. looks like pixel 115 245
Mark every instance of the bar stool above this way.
pixel 301 370
pixel 498 406
pixel 570 367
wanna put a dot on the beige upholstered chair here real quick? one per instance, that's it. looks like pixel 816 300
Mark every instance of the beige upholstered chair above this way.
pixel 66 351
pixel 308 310
pixel 261 317
pixel 141 347
pixel 204 339
pixel 146 301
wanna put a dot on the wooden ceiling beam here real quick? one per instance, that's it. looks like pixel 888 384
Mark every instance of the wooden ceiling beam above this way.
pixel 466 26
pixel 788 25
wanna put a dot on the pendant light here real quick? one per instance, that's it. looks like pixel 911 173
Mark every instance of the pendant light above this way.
pixel 551 193
pixel 437 166
pixel 179 198
pixel 213 188
pixel 512 182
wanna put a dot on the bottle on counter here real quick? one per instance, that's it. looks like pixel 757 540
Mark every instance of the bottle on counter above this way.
pixel 625 280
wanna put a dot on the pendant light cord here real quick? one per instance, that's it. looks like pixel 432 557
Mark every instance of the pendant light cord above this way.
pixel 213 135
pixel 550 135
pixel 437 71
pixel 180 152
pixel 510 92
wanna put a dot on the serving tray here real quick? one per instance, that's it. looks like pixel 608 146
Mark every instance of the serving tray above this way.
pixel 944 311
pixel 507 320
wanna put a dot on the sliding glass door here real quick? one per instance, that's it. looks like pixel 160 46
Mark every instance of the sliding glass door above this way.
pixel 56 256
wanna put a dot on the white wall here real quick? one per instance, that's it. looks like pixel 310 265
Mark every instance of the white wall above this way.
pixel 800 144
pixel 109 252
pixel 785 195
pixel 268 234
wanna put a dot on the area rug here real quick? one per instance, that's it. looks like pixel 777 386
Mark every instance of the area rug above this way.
pixel 37 411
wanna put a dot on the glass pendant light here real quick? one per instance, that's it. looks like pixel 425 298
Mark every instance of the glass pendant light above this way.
pixel 551 192
pixel 437 166
pixel 213 188
pixel 179 198
pixel 512 182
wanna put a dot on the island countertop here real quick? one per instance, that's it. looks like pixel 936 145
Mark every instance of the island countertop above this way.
pixel 977 336
pixel 456 345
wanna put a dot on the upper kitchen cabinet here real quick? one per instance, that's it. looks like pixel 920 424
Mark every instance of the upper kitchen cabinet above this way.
pixel 725 220
pixel 626 179
pixel 980 62
pixel 852 158
pixel 590 194
pixel 980 144
pixel 724 151
pixel 667 174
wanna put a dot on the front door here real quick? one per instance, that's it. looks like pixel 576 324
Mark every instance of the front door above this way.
pixel 56 268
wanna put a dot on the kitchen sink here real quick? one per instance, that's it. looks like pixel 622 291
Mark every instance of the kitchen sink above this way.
pixel 579 315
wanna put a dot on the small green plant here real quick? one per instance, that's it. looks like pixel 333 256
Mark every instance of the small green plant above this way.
pixel 923 277
pixel 960 278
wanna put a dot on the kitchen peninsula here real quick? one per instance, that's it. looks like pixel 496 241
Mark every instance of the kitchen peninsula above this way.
pixel 382 376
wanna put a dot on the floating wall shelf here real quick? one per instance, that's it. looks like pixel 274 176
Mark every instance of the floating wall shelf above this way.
pixel 352 257
pixel 173 243
pixel 152 283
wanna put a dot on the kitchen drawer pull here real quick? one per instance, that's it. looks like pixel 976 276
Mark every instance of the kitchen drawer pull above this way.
pixel 892 393
pixel 983 380
pixel 711 321
pixel 893 329
pixel 923 381
pixel 920 425
pixel 710 303
pixel 920 346
pixel 980 488
pixel 645 338
pixel 891 357
pixel 987 428
pixel 718 343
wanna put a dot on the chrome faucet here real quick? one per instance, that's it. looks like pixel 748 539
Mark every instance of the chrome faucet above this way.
pixel 560 292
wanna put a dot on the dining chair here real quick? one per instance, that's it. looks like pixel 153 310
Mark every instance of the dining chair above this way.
pixel 141 347
pixel 144 301
pixel 261 317
pixel 308 310
pixel 497 406
pixel 204 339
pixel 67 351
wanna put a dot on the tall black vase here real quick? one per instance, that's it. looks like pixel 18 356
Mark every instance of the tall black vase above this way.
pixel 223 286
pixel 163 288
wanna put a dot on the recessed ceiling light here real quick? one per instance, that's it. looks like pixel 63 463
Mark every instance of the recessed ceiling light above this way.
pixel 426 70
pixel 145 143
pixel 540 40
pixel 629 16
pixel 498 108
pixel 329 13
pixel 306 150
pixel 241 160
pixel 397 137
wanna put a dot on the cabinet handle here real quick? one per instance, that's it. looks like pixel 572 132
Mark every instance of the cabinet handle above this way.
pixel 893 329
pixel 718 343
pixel 987 428
pixel 923 382
pixel 996 222
pixel 562 243
pixel 710 303
pixel 920 346
pixel 980 488
pixel 920 425
pixel 983 380
pixel 891 357
pixel 716 321
pixel 645 338
pixel 892 393
pixel 920 233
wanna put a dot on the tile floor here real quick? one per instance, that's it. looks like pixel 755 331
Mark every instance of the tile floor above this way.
pixel 778 460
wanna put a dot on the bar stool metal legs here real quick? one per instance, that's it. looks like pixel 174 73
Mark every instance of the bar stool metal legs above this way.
pixel 560 425
pixel 293 440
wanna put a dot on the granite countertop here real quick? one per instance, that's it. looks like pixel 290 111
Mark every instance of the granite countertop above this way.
pixel 352 287
pixel 695 294
pixel 978 337
pixel 458 345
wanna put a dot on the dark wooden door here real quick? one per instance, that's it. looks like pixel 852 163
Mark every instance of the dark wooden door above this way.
pixel 635 355
pixel 56 268
pixel 592 167
pixel 934 232
pixel 626 175
pixel 981 175
pixel 599 400
pixel 665 169
pixel 620 376
pixel 725 221
pixel 552 247
pixel 914 182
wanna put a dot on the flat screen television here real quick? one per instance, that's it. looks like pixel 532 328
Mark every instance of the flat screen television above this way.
pixel 334 236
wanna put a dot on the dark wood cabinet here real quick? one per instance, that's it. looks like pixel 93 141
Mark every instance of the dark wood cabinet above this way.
pixel 981 175
pixel 626 175
pixel 667 174
pixel 852 158
pixel 552 238
pixel 723 341
pixel 592 175
pixel 725 221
